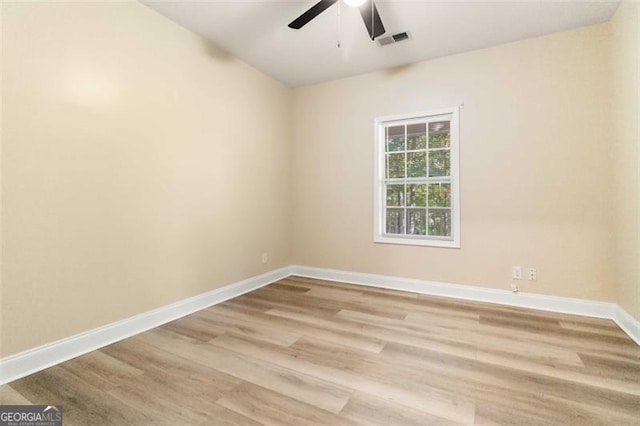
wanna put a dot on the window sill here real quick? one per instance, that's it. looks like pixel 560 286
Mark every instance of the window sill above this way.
pixel 417 242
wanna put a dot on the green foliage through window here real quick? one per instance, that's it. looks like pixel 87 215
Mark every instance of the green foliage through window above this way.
pixel 439 195
pixel 395 138
pixel 416 164
pixel 395 165
pixel 418 179
pixel 416 195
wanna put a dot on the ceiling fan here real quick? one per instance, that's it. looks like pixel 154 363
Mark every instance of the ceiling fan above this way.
pixel 367 8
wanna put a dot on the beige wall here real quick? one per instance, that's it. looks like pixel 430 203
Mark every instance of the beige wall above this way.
pixel 535 166
pixel 1 240
pixel 625 48
pixel 141 166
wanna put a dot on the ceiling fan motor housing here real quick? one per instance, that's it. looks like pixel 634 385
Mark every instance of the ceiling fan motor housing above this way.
pixel 368 11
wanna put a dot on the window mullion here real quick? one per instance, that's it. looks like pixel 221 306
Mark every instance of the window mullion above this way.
pixel 428 155
pixel 406 174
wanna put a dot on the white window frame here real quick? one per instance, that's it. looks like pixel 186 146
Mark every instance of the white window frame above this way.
pixel 379 235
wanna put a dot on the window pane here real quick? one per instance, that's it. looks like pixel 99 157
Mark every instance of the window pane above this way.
pixel 395 195
pixel 440 134
pixel 417 136
pixel 417 195
pixel 439 195
pixel 395 221
pixel 395 165
pixel 416 164
pixel 440 222
pixel 395 138
pixel 416 222
pixel 439 163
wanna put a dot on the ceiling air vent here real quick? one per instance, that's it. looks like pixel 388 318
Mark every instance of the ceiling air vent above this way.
pixel 394 38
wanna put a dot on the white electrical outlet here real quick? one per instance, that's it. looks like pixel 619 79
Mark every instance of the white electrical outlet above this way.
pixel 265 257
pixel 516 272
pixel 532 274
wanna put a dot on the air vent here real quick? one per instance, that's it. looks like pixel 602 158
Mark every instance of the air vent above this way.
pixel 394 38
pixel 400 36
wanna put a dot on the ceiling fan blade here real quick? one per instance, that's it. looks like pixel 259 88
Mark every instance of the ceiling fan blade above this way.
pixel 316 10
pixel 372 20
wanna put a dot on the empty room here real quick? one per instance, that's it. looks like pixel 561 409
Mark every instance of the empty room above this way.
pixel 337 212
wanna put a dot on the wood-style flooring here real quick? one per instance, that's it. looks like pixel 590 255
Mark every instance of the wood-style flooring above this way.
pixel 305 351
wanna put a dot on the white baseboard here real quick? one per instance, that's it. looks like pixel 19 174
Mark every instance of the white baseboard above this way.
pixel 629 324
pixel 565 305
pixel 37 359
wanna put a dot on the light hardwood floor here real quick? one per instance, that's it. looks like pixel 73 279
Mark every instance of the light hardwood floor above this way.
pixel 304 351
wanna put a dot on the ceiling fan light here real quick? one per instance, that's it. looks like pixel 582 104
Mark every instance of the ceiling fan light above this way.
pixel 354 3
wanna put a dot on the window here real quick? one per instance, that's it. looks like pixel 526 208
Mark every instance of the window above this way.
pixel 417 185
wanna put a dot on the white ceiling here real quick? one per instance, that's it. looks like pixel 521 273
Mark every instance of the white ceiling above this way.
pixel 256 31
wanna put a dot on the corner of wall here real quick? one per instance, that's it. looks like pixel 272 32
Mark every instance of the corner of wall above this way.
pixel 624 30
